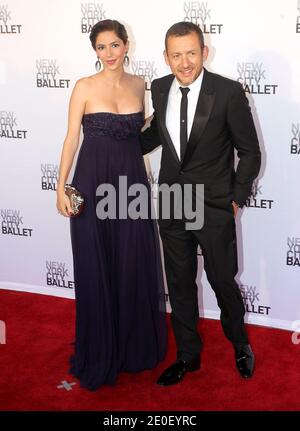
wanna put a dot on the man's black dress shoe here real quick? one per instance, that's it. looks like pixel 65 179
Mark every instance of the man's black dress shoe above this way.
pixel 244 359
pixel 176 372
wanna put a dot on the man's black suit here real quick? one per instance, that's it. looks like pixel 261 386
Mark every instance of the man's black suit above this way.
pixel 222 123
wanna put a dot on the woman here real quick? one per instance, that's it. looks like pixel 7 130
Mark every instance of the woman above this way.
pixel 120 321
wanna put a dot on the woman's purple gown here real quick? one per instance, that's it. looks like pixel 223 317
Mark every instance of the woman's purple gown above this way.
pixel 120 307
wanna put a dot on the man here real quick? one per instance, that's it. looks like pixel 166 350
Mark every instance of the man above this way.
pixel 199 119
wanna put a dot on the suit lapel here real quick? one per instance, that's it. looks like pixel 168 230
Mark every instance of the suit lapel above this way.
pixel 162 106
pixel 203 110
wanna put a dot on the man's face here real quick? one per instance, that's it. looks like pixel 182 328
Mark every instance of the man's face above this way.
pixel 185 57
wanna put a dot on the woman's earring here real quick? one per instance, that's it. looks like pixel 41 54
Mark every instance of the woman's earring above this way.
pixel 98 65
pixel 126 60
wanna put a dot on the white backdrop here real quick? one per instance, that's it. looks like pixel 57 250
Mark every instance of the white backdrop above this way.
pixel 44 49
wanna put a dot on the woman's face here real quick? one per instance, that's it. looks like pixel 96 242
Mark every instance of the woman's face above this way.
pixel 110 49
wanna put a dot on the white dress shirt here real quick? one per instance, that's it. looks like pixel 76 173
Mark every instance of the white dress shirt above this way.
pixel 173 109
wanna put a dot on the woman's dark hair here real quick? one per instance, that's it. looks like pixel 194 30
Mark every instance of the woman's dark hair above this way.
pixel 182 29
pixel 108 25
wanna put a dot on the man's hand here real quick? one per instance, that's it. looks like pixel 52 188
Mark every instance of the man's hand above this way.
pixel 235 208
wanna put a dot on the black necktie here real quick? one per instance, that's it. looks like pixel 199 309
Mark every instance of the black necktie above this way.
pixel 183 121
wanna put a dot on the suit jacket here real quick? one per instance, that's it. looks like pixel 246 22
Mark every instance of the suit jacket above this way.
pixel 223 122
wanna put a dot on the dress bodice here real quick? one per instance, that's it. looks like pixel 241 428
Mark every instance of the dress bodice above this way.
pixel 119 126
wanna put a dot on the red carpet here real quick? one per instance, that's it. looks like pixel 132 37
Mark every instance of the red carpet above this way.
pixel 34 361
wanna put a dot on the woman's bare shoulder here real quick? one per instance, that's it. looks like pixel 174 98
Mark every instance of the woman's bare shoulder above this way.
pixel 137 82
pixel 86 81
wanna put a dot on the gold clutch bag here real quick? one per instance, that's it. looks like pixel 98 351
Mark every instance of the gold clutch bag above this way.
pixel 76 199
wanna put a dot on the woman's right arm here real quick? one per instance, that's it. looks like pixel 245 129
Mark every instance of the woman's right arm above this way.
pixel 76 111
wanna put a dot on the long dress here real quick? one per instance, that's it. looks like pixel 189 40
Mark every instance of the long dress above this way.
pixel 120 307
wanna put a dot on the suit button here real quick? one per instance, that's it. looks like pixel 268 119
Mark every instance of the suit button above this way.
pixel 181 172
